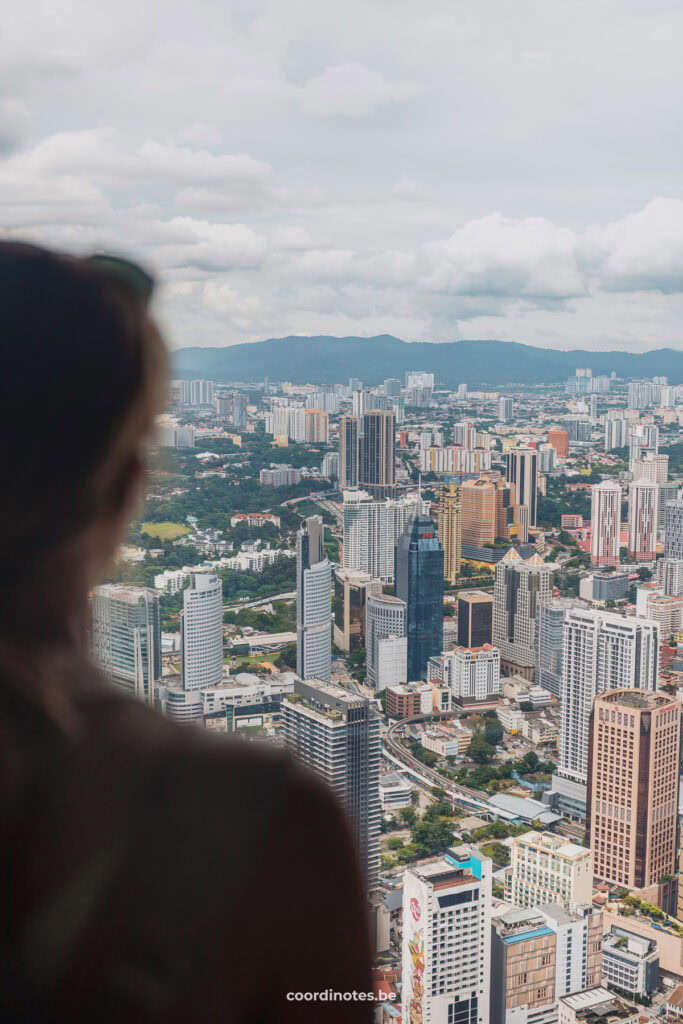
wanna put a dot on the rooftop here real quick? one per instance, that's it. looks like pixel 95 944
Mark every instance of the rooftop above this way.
pixel 598 1006
pixel 553 844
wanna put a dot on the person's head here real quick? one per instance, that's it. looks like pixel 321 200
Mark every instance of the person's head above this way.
pixel 83 376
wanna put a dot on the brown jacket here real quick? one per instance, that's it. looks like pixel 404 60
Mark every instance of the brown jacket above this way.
pixel 155 873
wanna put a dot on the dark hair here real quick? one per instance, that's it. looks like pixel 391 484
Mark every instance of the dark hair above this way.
pixel 83 375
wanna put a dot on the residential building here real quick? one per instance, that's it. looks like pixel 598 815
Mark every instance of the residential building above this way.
pixel 126 637
pixel 349 451
pixel 449 528
pixel 550 634
pixel 630 962
pixel 447 939
pixel 351 591
pixel 316 429
pixel 371 529
pixel 170 581
pixel 670 575
pixel 605 522
pixel 313 602
pixel 201 631
pixel 505 409
pixel 547 868
pixel 336 734
pixel 475 618
pixel 387 645
pixel 522 473
pixel 279 476
pixel 473 674
pixel 329 467
pixel 632 796
pixel 642 521
pixel 667 490
pixel 518 588
pixel 666 610
pixel 419 582
pixel 653 467
pixel 196 392
pixel 559 440
pixel 377 469
pixel 616 434
pixel 673 530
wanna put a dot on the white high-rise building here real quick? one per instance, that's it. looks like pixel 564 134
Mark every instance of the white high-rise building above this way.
pixel 605 522
pixel 602 651
pixel 447 939
pixel 673 530
pixel 547 868
pixel 201 631
pixel 518 589
pixel 386 621
pixel 653 467
pixel 419 379
pixel 670 576
pixel 196 392
pixel 473 673
pixel 616 434
pixel 371 529
pixel 640 394
pixel 127 637
pixel 642 521
pixel 505 407
pixel 313 602
pixel 335 734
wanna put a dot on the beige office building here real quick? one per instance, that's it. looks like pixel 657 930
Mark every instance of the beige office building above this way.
pixel 449 527
pixel 632 798
pixel 546 868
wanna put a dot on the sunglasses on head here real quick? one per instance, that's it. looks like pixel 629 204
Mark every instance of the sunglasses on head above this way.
pixel 125 271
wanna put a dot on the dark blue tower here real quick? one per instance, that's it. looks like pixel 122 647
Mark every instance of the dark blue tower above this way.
pixel 419 582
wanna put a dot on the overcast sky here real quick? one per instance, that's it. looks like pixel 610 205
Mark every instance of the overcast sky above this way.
pixel 434 169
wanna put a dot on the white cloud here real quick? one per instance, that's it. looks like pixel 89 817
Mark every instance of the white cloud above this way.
pixel 15 125
pixel 352 90
pixel 643 250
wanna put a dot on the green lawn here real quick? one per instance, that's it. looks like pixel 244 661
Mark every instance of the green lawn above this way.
pixel 164 531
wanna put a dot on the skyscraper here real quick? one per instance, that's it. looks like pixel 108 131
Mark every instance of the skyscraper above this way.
pixel 673 530
pixel 371 529
pixel 616 434
pixel 605 522
pixel 449 525
pixel 351 591
pixel 632 799
pixel 475 618
pixel 336 734
pixel 377 470
pixel 522 471
pixel 201 631
pixel 602 651
pixel 559 440
pixel 419 582
pixel 642 521
pixel 313 602
pixel 447 939
pixel 386 619
pixel 505 406
pixel 349 451
pixel 127 637
pixel 670 575
pixel 518 588
pixel 551 642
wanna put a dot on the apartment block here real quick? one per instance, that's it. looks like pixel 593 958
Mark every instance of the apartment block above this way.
pixel 546 868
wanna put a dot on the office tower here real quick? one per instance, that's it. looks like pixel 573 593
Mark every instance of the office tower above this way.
pixel 521 471
pixel 387 644
pixel 667 491
pixel 349 451
pixel 316 428
pixel 330 466
pixel 449 528
pixel 392 388
pixel 201 631
pixel 670 575
pixel 605 522
pixel 336 734
pixel 505 407
pixel 616 434
pixel 602 651
pixel 559 440
pixel 632 796
pixel 539 955
pixel 419 582
pixel 313 602
pixel 486 509
pixel 673 530
pixel 642 521
pixel 551 643
pixel 371 529
pixel 447 939
pixel 126 633
pixel 518 588
pixel 475 618
pixel 351 592
pixel 547 868
pixel 473 674
pixel 377 459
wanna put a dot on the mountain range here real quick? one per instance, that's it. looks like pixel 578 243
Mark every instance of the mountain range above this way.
pixel 327 360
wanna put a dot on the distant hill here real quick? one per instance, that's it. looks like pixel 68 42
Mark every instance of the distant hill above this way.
pixel 326 360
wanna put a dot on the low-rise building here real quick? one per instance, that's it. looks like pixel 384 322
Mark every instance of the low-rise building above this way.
pixel 450 742
pixel 595 1006
pixel 630 962
pixel 171 581
pixel 411 699
pixel 539 728
pixel 394 791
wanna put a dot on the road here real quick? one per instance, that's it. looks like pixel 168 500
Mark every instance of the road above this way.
pixel 291 596
pixel 400 754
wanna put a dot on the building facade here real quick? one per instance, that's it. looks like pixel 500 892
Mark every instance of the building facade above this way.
pixel 387 663
pixel 126 633
pixel 518 589
pixel 475 618
pixel 673 530
pixel 419 583
pixel 371 529
pixel 377 467
pixel 201 632
pixel 605 522
pixel 547 868
pixel 349 451
pixel 313 602
pixel 449 527
pixel 351 591
pixel 642 521
pixel 521 471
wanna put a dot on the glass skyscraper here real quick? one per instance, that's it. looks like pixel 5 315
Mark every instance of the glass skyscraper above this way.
pixel 419 582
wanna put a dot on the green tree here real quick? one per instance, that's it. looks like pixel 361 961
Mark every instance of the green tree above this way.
pixel 479 750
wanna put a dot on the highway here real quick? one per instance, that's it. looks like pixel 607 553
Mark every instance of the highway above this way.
pixel 291 596
pixel 399 753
